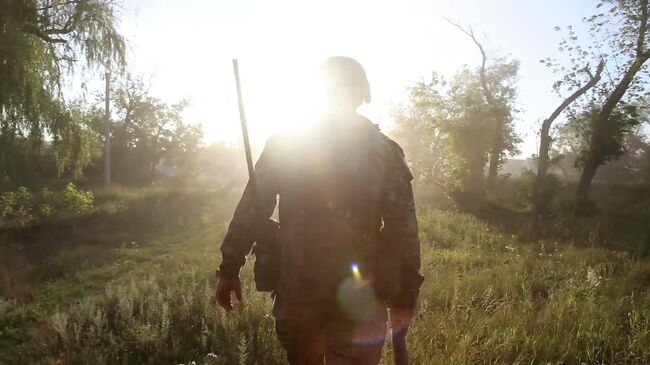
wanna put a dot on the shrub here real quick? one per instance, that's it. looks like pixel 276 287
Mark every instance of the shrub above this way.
pixel 526 185
pixel 75 202
pixel 22 208
pixel 17 208
pixel 47 203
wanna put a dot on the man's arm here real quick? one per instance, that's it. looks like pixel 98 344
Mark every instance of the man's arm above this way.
pixel 399 234
pixel 254 206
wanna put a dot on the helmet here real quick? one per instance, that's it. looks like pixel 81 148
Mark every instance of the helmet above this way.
pixel 345 74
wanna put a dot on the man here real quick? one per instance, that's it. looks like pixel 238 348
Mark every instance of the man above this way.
pixel 348 233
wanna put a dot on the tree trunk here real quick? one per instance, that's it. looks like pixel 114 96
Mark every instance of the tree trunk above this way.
pixel 539 206
pixel 495 154
pixel 588 173
pixel 602 129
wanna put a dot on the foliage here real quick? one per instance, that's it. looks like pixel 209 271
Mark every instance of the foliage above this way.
pixel 76 144
pixel 419 132
pixel 525 195
pixel 620 37
pixel 624 151
pixel 623 121
pixel 224 166
pixel 74 202
pixel 446 128
pixel 22 208
pixel 17 208
pixel 150 136
pixel 629 167
pixel 42 42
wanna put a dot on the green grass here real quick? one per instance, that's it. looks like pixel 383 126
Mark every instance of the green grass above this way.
pixel 490 296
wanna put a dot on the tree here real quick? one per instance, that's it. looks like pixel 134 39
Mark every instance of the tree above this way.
pixel 543 158
pixel 419 133
pixel 625 141
pixel 629 167
pixel 443 127
pixel 223 166
pixel 149 135
pixel 42 42
pixel 497 87
pixel 624 30
pixel 644 163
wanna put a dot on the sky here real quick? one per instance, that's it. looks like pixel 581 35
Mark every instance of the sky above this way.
pixel 185 49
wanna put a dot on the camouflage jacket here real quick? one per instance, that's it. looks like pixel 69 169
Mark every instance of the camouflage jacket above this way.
pixel 345 198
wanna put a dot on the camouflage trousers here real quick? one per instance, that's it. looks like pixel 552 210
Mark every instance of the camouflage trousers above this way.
pixel 327 332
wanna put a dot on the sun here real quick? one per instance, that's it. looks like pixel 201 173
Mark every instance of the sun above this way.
pixel 278 98
pixel 283 100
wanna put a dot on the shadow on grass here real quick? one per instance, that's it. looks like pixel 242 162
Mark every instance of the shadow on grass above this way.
pixel 624 225
pixel 121 220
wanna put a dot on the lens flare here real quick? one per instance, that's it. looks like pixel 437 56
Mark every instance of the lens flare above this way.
pixel 355 271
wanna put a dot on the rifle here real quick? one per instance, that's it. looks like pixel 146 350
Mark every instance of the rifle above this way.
pixel 244 129
pixel 398 339
pixel 266 250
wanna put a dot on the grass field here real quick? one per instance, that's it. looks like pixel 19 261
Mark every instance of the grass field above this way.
pixel 132 283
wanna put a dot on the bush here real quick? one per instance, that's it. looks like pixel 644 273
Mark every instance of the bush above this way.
pixel 17 208
pixel 22 208
pixel 525 195
pixel 75 202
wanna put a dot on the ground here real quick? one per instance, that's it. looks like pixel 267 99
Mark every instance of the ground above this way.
pixel 133 283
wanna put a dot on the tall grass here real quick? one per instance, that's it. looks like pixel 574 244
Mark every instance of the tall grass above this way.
pixel 145 322
pixel 489 297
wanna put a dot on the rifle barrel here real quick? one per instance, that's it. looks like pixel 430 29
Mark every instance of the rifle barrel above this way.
pixel 244 127
pixel 400 353
pixel 398 340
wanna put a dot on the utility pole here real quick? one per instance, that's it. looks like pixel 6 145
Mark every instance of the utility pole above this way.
pixel 107 134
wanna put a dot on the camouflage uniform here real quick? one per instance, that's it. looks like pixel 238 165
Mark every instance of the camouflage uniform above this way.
pixel 348 234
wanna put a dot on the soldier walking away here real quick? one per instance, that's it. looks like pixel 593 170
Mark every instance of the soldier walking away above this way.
pixel 347 243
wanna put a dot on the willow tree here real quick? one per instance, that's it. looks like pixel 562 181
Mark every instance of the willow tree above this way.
pixel 42 43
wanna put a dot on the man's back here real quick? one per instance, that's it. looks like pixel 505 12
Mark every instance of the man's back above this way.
pixel 348 233
pixel 330 193
pixel 332 180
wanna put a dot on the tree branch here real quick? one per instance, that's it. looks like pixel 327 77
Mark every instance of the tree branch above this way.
pixel 36 31
pixel 482 74
pixel 641 57
pixel 643 29
pixel 56 5
pixel 593 80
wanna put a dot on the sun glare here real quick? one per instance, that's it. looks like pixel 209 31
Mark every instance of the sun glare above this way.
pixel 277 99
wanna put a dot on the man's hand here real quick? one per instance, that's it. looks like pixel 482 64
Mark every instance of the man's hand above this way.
pixel 225 286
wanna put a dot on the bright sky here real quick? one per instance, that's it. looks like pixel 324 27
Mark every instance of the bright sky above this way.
pixel 187 47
